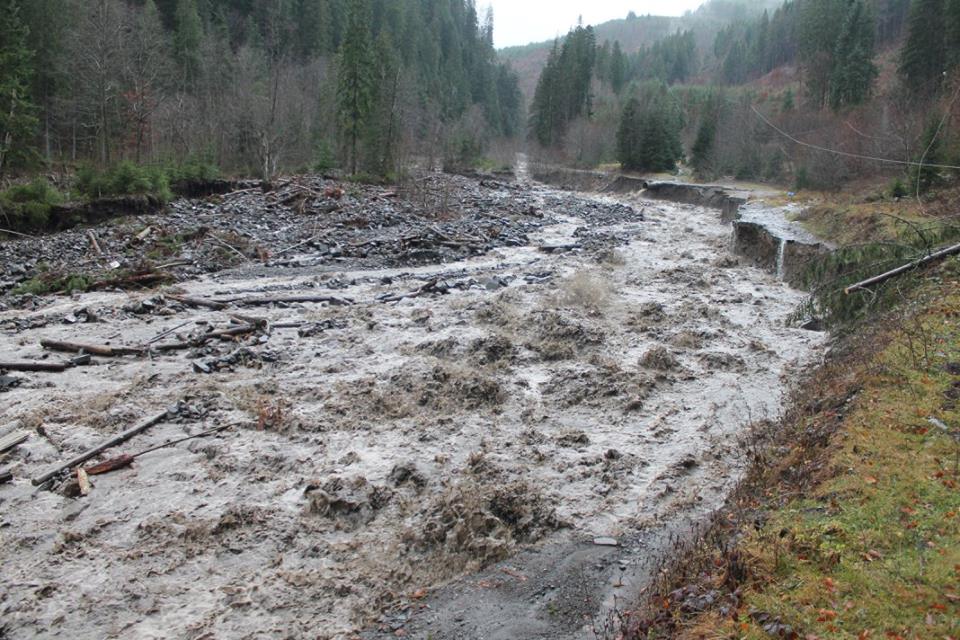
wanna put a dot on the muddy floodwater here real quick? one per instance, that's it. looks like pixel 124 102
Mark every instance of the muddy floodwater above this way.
pixel 594 383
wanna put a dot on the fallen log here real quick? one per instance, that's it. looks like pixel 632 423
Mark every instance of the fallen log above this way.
pixel 429 287
pixel 200 341
pixel 163 335
pixel 39 367
pixel 13 440
pixel 120 438
pixel 199 302
pixel 124 461
pixel 883 277
pixel 261 302
pixel 94 349
pixel 92 237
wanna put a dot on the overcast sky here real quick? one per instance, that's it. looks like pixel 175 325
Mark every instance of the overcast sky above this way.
pixel 524 21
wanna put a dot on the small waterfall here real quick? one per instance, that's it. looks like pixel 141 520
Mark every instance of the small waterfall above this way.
pixel 781 259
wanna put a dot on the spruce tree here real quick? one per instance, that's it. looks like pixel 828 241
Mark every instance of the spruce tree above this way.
pixel 649 135
pixel 923 178
pixel 188 36
pixel 703 146
pixel 923 57
pixel 355 81
pixel 629 137
pixel 618 68
pixel 853 71
pixel 952 41
pixel 18 122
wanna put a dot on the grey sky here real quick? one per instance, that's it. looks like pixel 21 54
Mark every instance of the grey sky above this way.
pixel 524 21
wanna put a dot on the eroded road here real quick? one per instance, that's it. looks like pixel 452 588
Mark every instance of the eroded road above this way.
pixel 595 383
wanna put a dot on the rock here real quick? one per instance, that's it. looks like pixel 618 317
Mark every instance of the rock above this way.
pixel 407 473
pixel 659 358
pixel 9 382
pixel 606 542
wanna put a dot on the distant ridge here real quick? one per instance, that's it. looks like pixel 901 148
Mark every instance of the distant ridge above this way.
pixel 635 32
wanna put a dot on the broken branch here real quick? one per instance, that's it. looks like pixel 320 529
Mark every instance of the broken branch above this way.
pixel 198 302
pixel 112 442
pixel 45 367
pixel 94 349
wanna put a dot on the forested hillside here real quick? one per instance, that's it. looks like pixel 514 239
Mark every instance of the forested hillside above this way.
pixel 635 32
pixel 872 81
pixel 253 87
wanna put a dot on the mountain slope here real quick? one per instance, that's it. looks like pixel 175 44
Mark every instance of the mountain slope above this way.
pixel 636 32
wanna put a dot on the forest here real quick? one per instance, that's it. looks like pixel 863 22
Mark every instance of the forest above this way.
pixel 253 88
pixel 865 78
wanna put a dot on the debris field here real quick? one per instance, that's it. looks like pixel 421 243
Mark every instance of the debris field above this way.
pixel 333 399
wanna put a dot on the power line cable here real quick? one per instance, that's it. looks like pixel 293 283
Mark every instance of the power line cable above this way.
pixel 847 153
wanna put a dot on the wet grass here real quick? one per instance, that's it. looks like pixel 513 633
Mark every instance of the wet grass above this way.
pixel 874 551
pixel 851 528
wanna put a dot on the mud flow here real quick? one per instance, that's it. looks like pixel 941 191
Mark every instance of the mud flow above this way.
pixel 435 457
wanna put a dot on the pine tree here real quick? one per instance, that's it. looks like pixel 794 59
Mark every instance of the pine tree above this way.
pixel 545 116
pixel 618 68
pixel 355 81
pixel 630 137
pixel 18 122
pixel 188 36
pixel 819 31
pixel 853 71
pixel 923 57
pixel 649 135
pixel 703 146
pixel 923 178
pixel 952 23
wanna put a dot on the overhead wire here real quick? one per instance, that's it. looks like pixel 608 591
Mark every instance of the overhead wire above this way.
pixel 848 154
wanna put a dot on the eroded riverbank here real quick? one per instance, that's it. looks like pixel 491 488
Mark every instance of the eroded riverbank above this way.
pixel 593 383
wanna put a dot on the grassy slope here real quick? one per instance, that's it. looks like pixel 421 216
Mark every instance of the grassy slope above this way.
pixel 860 535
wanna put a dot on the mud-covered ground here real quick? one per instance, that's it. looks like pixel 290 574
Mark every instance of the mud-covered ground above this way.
pixel 589 381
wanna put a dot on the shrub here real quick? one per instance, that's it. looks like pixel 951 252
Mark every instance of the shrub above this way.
pixel 326 159
pixel 124 179
pixel 27 206
pixel 193 169
pixel 898 189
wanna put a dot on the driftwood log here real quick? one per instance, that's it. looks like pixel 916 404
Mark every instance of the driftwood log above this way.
pixel 883 277
pixel 199 302
pixel 40 367
pixel 120 438
pixel 94 349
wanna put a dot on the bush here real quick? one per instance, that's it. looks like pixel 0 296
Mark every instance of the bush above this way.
pixel 124 179
pixel 27 206
pixel 898 189
pixel 326 159
pixel 192 170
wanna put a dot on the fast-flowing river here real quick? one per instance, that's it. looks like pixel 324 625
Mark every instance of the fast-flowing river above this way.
pixel 441 466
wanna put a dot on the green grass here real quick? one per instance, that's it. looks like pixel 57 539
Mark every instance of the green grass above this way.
pixel 874 550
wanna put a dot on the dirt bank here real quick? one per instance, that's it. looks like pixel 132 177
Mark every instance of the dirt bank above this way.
pixel 592 381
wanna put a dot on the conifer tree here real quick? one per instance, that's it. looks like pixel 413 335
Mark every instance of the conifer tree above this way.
pixel 188 36
pixel 355 81
pixel 952 23
pixel 618 68
pixel 18 122
pixel 649 135
pixel 630 137
pixel 703 146
pixel 923 57
pixel 853 70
